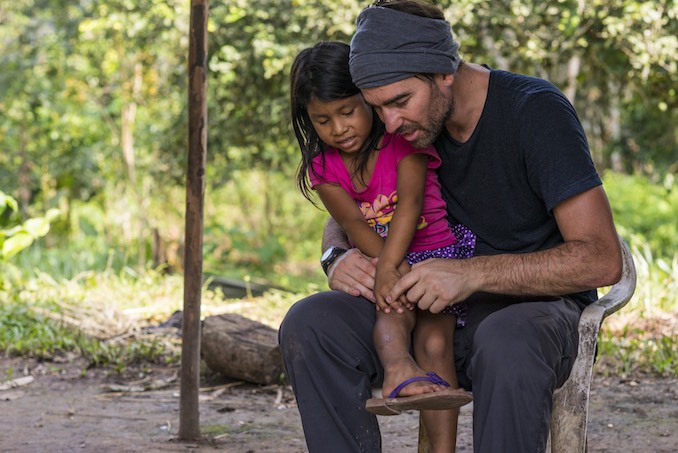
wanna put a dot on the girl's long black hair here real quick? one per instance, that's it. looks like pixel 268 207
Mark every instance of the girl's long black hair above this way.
pixel 321 72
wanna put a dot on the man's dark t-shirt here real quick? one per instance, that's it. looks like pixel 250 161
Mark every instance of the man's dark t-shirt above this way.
pixel 527 154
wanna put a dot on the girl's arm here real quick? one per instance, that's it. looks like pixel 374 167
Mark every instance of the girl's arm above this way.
pixel 410 189
pixel 346 213
pixel 411 183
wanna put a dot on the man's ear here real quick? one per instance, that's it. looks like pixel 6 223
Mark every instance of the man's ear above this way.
pixel 446 79
pixel 443 81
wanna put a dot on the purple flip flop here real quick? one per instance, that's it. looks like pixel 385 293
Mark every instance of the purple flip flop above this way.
pixel 441 400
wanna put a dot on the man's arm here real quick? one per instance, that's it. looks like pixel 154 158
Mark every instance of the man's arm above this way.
pixel 590 257
pixel 333 235
pixel 353 272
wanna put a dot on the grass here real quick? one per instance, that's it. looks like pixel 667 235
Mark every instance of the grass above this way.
pixel 641 337
pixel 103 317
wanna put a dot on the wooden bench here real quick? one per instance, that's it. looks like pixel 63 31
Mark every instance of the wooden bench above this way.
pixel 571 401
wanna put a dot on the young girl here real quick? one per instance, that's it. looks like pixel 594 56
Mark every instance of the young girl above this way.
pixel 361 174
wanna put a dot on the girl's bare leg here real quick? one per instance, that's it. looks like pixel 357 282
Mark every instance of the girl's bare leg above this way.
pixel 434 350
pixel 392 334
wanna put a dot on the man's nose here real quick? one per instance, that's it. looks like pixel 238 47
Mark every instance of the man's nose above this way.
pixel 391 120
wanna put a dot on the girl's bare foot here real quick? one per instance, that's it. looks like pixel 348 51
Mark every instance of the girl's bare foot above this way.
pixel 399 372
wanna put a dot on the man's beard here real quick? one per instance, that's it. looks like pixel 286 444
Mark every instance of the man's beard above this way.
pixel 440 110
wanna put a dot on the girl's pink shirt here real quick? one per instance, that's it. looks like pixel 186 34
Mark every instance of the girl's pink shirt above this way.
pixel 378 200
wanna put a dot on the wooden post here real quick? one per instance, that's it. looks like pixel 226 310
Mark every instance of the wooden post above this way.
pixel 189 415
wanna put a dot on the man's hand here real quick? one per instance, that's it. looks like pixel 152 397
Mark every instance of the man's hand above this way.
pixel 353 273
pixel 436 283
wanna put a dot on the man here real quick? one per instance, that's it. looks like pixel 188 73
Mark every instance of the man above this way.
pixel 517 171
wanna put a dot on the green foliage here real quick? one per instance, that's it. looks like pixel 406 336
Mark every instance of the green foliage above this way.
pixel 614 59
pixel 632 350
pixel 47 132
pixel 102 316
pixel 266 224
pixel 24 331
pixel 252 46
pixel 7 202
pixel 93 101
pixel 14 240
pixel 43 318
pixel 645 213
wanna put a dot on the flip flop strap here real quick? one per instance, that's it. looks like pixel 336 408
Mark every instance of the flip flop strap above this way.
pixel 430 377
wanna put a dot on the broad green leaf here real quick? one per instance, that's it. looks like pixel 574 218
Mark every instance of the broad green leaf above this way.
pixel 15 244
pixel 37 227
pixel 7 201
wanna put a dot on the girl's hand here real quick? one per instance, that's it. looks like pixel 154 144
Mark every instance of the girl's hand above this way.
pixel 385 279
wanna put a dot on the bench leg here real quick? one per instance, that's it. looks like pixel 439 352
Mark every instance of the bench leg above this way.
pixel 423 445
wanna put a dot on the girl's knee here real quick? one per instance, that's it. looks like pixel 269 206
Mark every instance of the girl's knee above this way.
pixel 433 345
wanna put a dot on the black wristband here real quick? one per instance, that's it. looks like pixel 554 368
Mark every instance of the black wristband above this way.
pixel 330 256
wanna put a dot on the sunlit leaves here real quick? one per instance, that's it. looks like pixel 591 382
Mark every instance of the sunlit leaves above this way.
pixel 17 238
pixel 70 69
pixel 252 48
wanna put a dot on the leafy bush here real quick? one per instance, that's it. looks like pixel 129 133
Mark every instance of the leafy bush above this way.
pixel 15 239
pixel 258 223
pixel 645 213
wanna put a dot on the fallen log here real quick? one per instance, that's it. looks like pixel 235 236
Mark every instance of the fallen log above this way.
pixel 241 348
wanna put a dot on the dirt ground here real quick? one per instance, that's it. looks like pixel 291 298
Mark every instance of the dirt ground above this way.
pixel 65 409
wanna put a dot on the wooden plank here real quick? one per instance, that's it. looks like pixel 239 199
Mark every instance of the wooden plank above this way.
pixel 189 414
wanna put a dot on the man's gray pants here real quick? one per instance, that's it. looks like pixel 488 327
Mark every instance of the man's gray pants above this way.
pixel 511 354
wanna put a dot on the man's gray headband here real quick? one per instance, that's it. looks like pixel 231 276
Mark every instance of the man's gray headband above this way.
pixel 390 45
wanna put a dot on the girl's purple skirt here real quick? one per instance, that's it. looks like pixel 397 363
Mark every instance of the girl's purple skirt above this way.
pixel 464 248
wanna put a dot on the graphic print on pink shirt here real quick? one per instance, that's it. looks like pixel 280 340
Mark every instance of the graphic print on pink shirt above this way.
pixel 379 213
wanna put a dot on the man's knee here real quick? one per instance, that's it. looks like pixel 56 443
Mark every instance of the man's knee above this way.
pixel 324 318
pixel 529 339
pixel 503 344
pixel 300 321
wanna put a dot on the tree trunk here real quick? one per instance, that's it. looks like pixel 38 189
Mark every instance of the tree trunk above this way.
pixel 613 127
pixel 24 191
pixel 573 67
pixel 128 120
